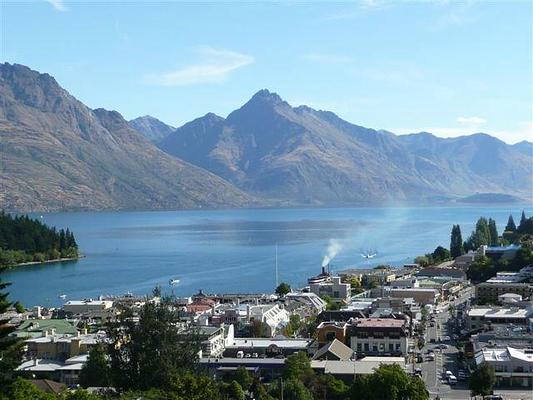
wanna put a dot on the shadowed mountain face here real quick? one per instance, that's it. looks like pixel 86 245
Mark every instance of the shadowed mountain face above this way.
pixel 151 128
pixel 314 157
pixel 58 154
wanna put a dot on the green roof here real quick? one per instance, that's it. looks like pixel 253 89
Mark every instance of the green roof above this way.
pixel 35 327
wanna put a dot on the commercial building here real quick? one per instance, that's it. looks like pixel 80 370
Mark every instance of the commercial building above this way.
pixel 332 287
pixel 422 296
pixel 86 306
pixel 331 330
pixel 478 317
pixel 61 347
pixel 379 336
pixel 512 367
pixel 488 292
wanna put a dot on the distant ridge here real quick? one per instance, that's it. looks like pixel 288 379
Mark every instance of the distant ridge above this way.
pixel 311 157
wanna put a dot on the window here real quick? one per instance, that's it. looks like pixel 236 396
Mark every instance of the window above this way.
pixel 366 346
pixel 391 347
pixel 359 347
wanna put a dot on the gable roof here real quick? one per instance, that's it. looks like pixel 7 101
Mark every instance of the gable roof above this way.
pixel 337 348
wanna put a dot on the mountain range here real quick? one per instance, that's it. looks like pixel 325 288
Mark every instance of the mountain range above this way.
pixel 298 154
pixel 58 154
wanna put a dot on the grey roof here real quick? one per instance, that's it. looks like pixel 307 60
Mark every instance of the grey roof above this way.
pixel 337 348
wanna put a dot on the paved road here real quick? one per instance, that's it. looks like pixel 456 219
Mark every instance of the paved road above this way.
pixel 433 372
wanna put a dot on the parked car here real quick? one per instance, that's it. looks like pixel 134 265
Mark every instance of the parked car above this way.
pixel 431 357
pixel 452 380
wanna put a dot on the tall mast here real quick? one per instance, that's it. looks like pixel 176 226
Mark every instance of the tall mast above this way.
pixel 277 283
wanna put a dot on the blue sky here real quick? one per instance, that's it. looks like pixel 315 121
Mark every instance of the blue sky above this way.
pixel 447 67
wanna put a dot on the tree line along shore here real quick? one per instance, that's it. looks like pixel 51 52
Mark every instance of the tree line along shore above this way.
pixel 27 241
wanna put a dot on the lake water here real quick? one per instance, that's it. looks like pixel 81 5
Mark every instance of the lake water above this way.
pixel 233 251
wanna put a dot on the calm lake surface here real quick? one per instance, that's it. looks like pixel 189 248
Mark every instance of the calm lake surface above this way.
pixel 233 250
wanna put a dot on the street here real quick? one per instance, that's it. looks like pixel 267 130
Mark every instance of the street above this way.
pixel 433 372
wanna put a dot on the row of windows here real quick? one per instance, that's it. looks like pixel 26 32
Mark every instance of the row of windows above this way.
pixel 378 347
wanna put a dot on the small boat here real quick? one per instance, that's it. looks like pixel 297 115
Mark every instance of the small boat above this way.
pixel 173 282
pixel 62 296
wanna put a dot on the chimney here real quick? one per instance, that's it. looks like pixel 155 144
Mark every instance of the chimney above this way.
pixel 53 332
pixel 45 333
pixel 85 331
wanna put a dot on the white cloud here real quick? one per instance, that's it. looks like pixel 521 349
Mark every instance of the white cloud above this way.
pixel 59 5
pixel 471 122
pixel 216 66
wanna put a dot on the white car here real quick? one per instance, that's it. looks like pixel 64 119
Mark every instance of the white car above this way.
pixel 452 380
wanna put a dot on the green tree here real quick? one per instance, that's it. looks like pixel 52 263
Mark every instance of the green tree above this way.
pixel 389 382
pixel 151 353
pixel 522 225
pixel 493 230
pixel 81 394
pixel 441 254
pixel 10 349
pixel 294 325
pixel 21 389
pixel 293 389
pixel 482 380
pixel 298 367
pixel 243 377
pixel 96 372
pixel 511 226
pixel 282 289
pixel 234 391
pixel 456 242
pixel 196 387
pixel 423 261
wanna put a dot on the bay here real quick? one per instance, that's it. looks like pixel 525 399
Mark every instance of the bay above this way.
pixel 233 251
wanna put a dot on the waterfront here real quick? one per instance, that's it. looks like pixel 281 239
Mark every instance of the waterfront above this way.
pixel 233 250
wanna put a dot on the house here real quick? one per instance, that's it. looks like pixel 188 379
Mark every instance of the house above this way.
pixel 379 336
pixel 512 367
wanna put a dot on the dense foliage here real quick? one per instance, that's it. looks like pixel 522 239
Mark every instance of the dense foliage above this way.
pixel 23 239
pixel 482 380
pixel 10 348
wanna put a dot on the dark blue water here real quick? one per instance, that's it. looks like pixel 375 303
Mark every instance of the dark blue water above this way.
pixel 233 251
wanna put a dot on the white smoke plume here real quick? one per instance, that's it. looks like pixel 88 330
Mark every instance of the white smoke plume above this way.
pixel 334 247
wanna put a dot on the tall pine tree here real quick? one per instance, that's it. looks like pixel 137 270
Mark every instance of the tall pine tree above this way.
pixel 9 349
pixel 523 222
pixel 493 232
pixel 511 226
pixel 456 242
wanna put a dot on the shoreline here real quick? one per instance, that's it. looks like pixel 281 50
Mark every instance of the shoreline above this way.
pixel 57 260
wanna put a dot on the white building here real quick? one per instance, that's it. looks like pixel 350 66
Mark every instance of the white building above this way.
pixel 273 316
pixel 333 287
pixel 513 367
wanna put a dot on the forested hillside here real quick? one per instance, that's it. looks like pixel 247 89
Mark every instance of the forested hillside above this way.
pixel 23 239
